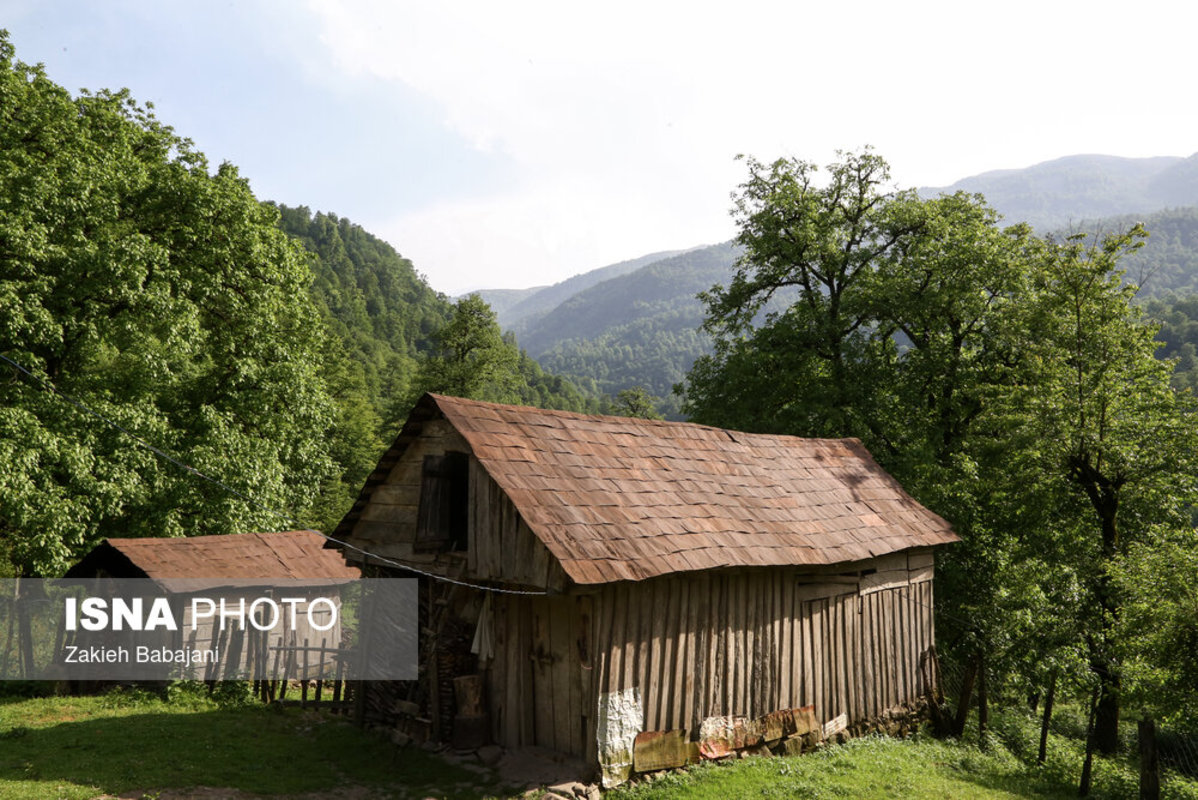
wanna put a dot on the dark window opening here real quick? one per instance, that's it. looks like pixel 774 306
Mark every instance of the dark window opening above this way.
pixel 444 494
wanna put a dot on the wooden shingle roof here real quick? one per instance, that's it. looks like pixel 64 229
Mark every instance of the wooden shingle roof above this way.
pixel 245 556
pixel 617 498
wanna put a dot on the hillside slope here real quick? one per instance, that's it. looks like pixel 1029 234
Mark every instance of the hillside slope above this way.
pixel 1056 193
pixel 640 329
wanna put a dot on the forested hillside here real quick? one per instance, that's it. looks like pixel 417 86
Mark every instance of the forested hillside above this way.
pixel 1168 261
pixel 641 329
pixel 529 308
pixel 1067 190
pixel 158 296
pixel 378 316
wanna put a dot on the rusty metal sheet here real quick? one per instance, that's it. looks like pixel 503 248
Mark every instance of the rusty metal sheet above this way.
pixel 723 736
pixel 657 750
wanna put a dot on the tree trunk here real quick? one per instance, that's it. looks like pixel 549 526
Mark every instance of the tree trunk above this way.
pixel 1044 723
pixel 1106 714
pixel 1104 493
pixel 983 702
pixel 971 672
pixel 1150 769
pixel 1083 788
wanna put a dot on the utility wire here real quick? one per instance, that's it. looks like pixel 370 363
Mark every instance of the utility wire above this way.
pixel 52 389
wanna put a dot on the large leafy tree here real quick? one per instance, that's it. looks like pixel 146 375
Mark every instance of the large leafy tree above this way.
pixel 792 331
pixel 470 357
pixel 161 296
pixel 1110 438
pixel 1005 380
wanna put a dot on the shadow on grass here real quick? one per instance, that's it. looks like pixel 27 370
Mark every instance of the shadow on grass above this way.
pixel 258 750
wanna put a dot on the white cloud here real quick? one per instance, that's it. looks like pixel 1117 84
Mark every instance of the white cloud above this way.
pixel 622 118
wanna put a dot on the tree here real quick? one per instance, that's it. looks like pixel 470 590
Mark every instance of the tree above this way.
pixel 1100 421
pixel 1005 380
pixel 470 358
pixel 813 251
pixel 162 297
pixel 635 402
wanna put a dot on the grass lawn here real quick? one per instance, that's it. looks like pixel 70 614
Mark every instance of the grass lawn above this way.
pixel 83 747
pixel 134 743
pixel 863 769
pixel 875 768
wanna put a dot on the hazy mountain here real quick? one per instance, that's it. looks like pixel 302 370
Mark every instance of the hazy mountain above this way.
pixel 502 300
pixel 636 323
pixel 518 316
pixel 637 329
pixel 1065 191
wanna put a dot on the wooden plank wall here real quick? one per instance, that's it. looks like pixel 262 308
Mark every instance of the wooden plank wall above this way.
pixel 539 679
pixel 707 644
pixel 387 525
pixel 753 642
pixel 500 545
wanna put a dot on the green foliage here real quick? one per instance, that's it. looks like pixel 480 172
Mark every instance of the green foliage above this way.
pixel 1168 261
pixel 472 358
pixel 379 316
pixel 636 402
pixel 1005 380
pixel 165 298
pixel 1177 318
pixel 1159 626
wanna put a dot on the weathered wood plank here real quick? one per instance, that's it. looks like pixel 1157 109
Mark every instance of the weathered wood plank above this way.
pixel 922 574
pixel 650 595
pixel 498 673
pixel 720 681
pixel 527 687
pixel 821 591
pixel 785 643
pixel 701 645
pixel 881 581
pixel 804 615
pixel 688 659
pixel 543 689
pixel 869 656
pixel 397 494
pixel 676 655
pixel 920 559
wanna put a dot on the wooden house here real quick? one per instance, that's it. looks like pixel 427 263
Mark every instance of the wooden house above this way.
pixel 233 567
pixel 677 573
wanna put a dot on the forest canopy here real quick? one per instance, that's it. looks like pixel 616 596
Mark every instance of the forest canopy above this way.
pixel 161 295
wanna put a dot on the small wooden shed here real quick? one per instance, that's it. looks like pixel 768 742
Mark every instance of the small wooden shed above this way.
pixel 231 567
pixel 681 573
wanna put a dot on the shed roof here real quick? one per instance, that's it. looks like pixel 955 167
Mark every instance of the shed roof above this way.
pixel 618 498
pixel 244 556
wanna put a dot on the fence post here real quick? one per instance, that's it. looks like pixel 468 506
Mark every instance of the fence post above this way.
pixel 1150 768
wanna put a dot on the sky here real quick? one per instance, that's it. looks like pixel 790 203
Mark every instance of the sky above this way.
pixel 516 143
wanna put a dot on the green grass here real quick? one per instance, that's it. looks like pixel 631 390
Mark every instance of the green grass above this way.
pixel 875 768
pixel 133 741
pixel 81 747
pixel 870 768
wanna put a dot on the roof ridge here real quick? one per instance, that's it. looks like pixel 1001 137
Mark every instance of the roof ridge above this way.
pixel 441 399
